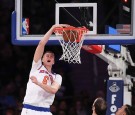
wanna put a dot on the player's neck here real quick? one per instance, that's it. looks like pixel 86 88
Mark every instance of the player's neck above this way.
pixel 49 69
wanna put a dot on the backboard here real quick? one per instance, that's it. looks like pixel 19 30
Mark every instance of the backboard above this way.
pixel 32 19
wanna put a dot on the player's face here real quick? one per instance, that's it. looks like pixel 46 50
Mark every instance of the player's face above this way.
pixel 121 111
pixel 48 58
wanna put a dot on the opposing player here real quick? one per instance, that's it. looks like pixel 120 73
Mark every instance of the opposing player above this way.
pixel 99 107
pixel 126 110
pixel 43 83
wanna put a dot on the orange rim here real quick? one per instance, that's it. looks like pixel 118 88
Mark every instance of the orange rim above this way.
pixel 81 30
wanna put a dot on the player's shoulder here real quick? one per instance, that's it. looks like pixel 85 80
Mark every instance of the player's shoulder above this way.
pixel 57 75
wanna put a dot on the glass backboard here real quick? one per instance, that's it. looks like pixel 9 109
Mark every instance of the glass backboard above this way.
pixel 32 19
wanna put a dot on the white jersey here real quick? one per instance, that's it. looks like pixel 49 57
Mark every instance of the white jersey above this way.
pixel 35 95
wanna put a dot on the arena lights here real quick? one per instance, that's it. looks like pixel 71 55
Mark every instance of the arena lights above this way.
pixel 125 0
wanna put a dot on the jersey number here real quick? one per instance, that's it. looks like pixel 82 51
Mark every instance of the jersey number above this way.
pixel 45 80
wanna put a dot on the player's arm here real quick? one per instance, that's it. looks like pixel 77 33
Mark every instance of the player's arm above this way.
pixel 40 48
pixel 50 89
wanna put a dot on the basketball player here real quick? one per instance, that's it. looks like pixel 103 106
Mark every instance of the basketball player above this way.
pixel 43 83
pixel 99 107
pixel 126 110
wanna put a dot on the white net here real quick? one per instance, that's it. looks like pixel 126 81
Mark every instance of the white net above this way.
pixel 71 51
pixel 71 43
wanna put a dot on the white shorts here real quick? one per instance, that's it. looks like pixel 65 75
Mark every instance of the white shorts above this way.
pixel 28 111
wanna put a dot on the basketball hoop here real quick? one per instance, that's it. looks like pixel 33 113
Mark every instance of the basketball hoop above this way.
pixel 71 41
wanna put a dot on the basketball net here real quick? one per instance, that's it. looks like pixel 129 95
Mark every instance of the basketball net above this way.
pixel 71 42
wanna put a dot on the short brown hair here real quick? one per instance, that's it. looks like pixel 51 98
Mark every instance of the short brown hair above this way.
pixel 49 51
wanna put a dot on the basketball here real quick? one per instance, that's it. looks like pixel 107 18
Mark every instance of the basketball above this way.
pixel 70 35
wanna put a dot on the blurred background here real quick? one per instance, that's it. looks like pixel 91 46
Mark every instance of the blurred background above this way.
pixel 82 83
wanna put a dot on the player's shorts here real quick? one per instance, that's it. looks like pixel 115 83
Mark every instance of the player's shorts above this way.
pixel 33 110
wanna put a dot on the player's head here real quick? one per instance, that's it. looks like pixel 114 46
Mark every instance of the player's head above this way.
pixel 48 58
pixel 126 110
pixel 99 107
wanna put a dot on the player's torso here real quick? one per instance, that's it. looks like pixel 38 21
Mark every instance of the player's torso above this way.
pixel 34 93
pixel 43 75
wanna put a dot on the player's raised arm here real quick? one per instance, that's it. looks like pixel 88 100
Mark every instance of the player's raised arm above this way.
pixel 40 48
